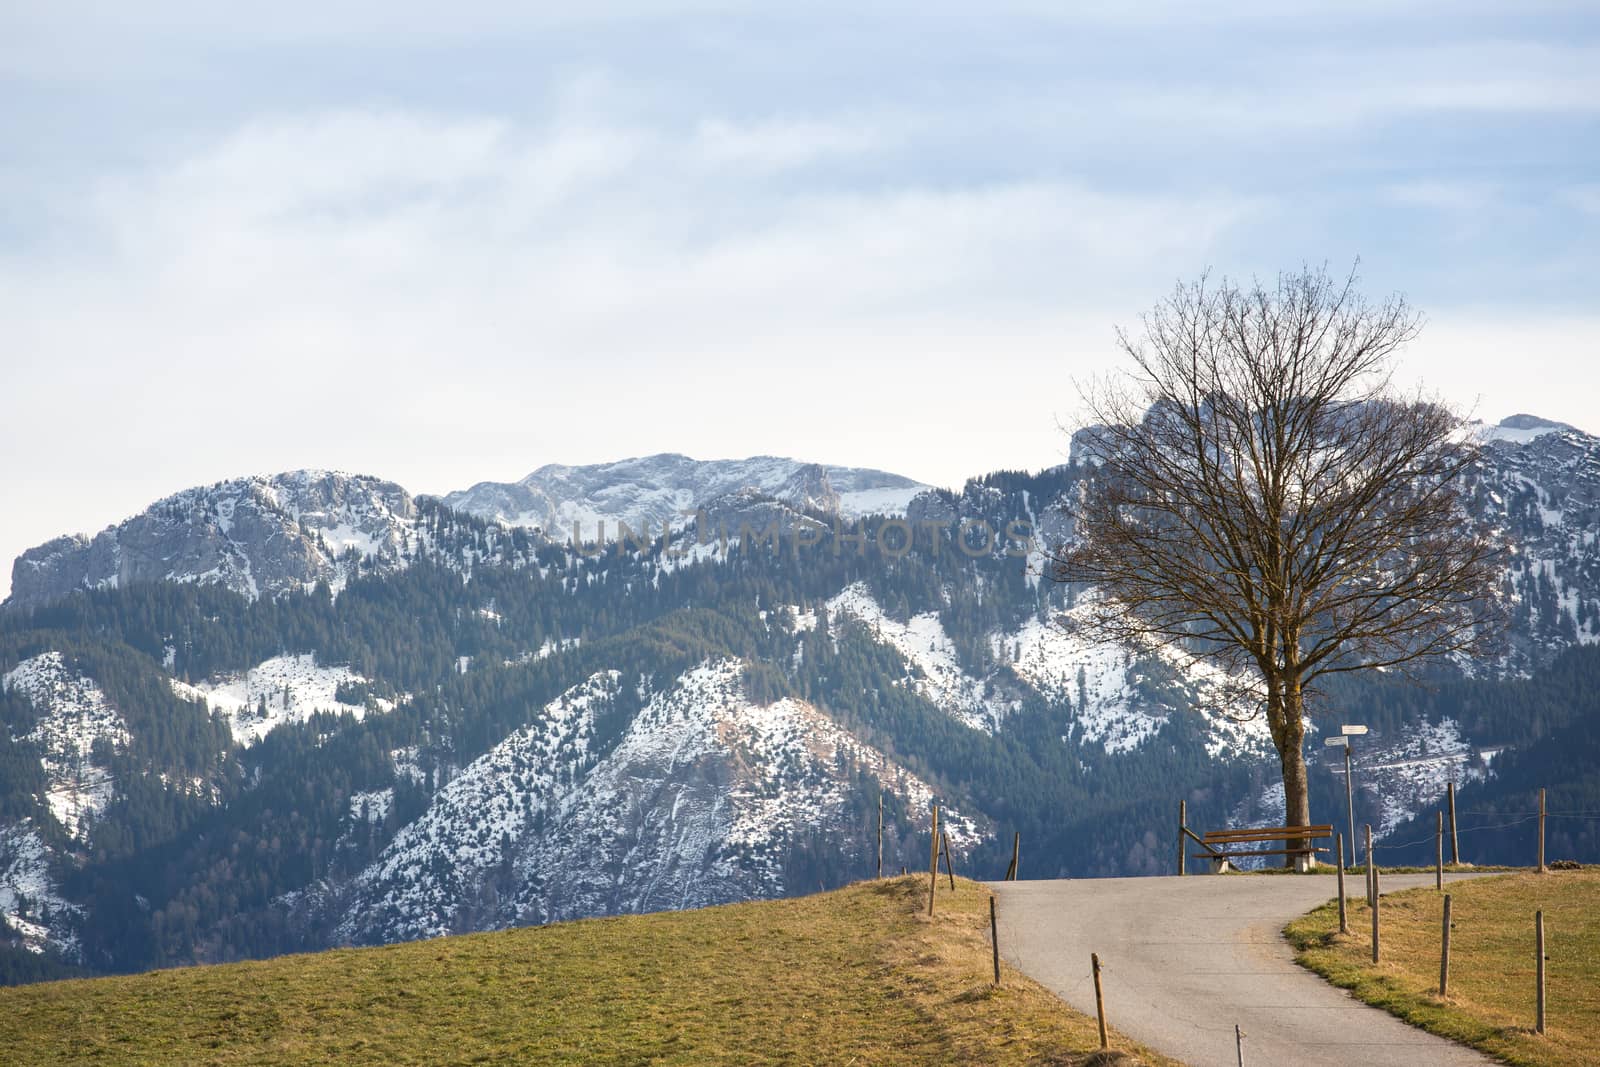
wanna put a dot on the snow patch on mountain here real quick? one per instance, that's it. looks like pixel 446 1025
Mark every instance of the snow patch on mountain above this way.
pixel 701 801
pixel 279 690
pixel 418 885
pixel 1117 699
pixel 1091 677
pixel 928 650
pixel 1403 775
pixel 73 715
pixel 371 805
pixel 792 748
pixel 31 905
pixel 697 803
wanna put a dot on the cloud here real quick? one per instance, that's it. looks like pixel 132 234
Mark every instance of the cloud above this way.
pixel 1586 198
pixel 1450 196
pixel 445 298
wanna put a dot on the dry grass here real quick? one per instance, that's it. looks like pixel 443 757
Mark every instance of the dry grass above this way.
pixel 857 976
pixel 1491 1005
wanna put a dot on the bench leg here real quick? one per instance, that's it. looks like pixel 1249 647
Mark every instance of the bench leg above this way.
pixel 1221 866
pixel 1305 862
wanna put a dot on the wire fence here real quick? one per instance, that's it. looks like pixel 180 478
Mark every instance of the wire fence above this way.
pixel 1523 820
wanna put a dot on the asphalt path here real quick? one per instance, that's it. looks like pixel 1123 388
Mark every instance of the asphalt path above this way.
pixel 1186 959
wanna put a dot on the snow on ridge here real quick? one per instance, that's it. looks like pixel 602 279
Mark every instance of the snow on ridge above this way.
pixel 792 736
pixel 698 802
pixel 490 804
pixel 291 687
pixel 73 715
pixel 1516 430
pixel 702 799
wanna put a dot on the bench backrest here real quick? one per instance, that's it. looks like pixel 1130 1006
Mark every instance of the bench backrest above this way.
pixel 1267 833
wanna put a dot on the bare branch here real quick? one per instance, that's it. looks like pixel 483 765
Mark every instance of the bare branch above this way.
pixel 1263 496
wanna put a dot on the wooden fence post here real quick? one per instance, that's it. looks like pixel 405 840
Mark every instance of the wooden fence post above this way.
pixel 1438 860
pixel 1016 855
pixel 944 844
pixel 1455 840
pixel 1238 1034
pixel 1183 824
pixel 994 939
pixel 1344 918
pixel 880 835
pixel 933 860
pixel 1100 999
pixel 1538 927
pixel 1374 915
pixel 1444 951
pixel 1372 896
pixel 1541 835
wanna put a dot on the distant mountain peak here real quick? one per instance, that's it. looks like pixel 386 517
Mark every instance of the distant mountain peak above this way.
pixel 1520 429
pixel 650 491
pixel 1533 422
pixel 260 534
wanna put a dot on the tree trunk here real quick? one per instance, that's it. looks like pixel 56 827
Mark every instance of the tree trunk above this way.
pixel 1291 757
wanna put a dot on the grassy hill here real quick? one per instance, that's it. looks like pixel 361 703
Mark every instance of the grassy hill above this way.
pixel 1491 1002
pixel 859 975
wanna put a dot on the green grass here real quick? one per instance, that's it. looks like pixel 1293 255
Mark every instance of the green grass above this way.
pixel 856 976
pixel 1491 1005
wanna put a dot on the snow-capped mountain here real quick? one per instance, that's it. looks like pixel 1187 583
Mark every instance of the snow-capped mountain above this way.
pixel 523 730
pixel 1540 482
pixel 650 491
pixel 256 536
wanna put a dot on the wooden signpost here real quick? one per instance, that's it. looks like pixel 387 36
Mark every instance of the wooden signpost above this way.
pixel 1455 841
pixel 1438 861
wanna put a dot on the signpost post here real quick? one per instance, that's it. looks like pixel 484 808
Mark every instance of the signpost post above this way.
pixel 1343 741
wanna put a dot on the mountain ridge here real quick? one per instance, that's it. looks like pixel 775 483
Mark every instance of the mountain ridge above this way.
pixel 389 744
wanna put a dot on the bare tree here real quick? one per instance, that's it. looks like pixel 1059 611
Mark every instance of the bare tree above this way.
pixel 1265 498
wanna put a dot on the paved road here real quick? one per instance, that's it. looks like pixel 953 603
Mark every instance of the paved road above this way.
pixel 1186 958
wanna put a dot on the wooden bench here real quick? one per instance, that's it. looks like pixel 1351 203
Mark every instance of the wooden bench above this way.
pixel 1221 845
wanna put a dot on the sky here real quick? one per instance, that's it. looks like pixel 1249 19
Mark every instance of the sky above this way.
pixel 451 243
